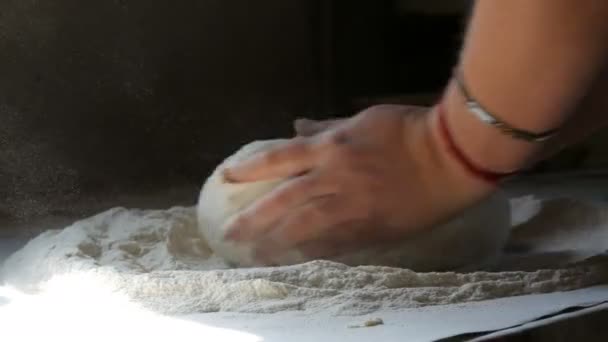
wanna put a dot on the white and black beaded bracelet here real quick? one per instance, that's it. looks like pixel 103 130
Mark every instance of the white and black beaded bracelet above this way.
pixel 486 117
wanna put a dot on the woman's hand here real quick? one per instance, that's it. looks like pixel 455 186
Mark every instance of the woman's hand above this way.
pixel 370 179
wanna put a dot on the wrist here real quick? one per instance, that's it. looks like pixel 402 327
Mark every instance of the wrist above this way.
pixel 457 179
pixel 484 145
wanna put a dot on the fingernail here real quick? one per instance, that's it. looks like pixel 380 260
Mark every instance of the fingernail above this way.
pixel 227 177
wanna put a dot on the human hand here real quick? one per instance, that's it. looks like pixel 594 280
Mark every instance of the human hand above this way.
pixel 371 179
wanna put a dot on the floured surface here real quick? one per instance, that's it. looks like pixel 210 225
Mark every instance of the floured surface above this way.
pixel 156 259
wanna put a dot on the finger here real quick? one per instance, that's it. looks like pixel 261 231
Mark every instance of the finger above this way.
pixel 307 127
pixel 263 214
pixel 292 158
pixel 310 221
pixel 325 249
pixel 340 240
pixel 268 251
pixel 334 243
pixel 276 256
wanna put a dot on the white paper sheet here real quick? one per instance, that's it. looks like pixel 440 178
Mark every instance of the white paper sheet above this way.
pixel 423 324
pixel 26 318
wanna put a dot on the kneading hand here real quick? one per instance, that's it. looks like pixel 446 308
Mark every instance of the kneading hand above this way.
pixel 352 183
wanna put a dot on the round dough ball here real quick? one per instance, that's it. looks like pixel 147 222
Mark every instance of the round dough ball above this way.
pixel 470 241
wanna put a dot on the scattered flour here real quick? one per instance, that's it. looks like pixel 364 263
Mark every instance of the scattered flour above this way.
pixel 368 323
pixel 158 260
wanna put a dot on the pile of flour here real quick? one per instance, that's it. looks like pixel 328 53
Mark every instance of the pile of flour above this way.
pixel 158 259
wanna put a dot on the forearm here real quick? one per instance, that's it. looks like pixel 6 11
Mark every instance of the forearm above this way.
pixel 530 63
pixel 591 116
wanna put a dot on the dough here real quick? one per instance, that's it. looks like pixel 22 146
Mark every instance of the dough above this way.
pixel 471 241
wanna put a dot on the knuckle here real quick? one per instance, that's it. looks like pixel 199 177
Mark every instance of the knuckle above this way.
pixel 271 157
pixel 385 114
pixel 334 140
pixel 319 213
pixel 376 110
pixel 299 147
pixel 338 138
pixel 339 149
pixel 299 142
pixel 295 147
pixel 383 108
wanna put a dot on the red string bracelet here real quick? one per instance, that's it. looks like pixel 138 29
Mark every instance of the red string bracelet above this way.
pixel 478 172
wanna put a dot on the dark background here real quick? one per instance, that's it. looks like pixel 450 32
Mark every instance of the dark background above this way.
pixel 135 96
pixel 102 100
